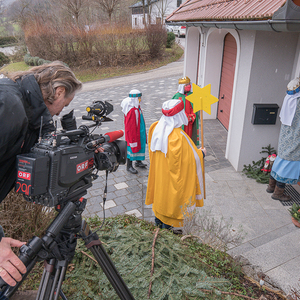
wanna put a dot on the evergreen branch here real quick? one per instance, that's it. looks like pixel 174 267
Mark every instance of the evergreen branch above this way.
pixel 138 264
pixel 152 267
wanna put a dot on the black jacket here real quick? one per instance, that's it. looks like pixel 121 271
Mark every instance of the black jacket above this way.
pixel 21 108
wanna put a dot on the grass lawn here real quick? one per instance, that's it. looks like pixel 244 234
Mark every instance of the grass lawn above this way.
pixel 91 74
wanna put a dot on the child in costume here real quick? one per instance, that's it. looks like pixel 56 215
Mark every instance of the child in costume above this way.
pixel 192 128
pixel 135 130
pixel 176 167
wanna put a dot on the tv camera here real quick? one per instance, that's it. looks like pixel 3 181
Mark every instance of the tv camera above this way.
pixel 57 172
pixel 62 165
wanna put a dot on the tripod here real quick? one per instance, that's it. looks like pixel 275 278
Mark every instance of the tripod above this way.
pixel 65 226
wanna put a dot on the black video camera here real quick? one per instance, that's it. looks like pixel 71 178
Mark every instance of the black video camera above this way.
pixel 62 166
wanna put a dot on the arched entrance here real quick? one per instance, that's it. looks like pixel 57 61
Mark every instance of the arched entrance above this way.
pixel 227 79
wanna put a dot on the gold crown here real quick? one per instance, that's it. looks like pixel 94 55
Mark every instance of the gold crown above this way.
pixel 184 80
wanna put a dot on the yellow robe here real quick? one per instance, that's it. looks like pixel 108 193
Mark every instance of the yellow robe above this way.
pixel 175 180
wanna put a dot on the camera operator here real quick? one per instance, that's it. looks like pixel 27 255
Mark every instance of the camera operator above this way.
pixel 27 99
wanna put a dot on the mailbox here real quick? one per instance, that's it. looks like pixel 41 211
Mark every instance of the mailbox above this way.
pixel 264 114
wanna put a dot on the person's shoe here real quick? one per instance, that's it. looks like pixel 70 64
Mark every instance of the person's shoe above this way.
pixel 130 168
pixel 271 186
pixel 177 231
pixel 280 195
pixel 140 164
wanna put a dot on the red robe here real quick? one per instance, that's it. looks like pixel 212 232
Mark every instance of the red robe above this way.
pixel 132 130
pixel 191 117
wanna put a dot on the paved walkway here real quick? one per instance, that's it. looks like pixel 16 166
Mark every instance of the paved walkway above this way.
pixel 272 241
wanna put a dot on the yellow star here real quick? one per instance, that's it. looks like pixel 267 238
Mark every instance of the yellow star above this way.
pixel 201 98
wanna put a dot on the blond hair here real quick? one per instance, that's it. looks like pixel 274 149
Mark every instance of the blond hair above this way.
pixel 49 77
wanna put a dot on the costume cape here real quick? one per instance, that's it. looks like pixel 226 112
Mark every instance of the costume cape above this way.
pixel 193 133
pixel 175 181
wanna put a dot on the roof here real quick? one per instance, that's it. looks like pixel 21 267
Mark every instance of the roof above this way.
pixel 225 10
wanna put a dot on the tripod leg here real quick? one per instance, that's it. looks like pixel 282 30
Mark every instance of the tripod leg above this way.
pixel 63 269
pixel 46 282
pixel 93 243
pixel 50 285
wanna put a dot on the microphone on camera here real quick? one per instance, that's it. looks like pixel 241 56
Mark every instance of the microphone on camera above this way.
pixel 107 138
pixel 114 135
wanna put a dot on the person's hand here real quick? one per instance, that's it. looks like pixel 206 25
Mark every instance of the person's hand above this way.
pixel 99 149
pixel 11 266
pixel 204 150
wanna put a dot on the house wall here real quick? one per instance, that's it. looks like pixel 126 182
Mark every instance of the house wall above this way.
pixel 137 21
pixel 155 11
pixel 192 54
pixel 273 62
pixel 266 61
pixel 246 42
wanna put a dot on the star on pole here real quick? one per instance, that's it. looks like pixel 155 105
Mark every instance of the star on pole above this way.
pixel 201 98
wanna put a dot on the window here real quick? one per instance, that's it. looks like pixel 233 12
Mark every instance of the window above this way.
pixel 135 21
pixel 179 2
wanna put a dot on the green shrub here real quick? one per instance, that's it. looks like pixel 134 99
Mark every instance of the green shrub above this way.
pixel 6 40
pixel 3 59
pixel 35 60
pixel 41 61
pixel 170 39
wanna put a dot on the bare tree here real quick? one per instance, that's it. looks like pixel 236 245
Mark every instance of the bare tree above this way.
pixel 162 7
pixel 108 6
pixel 19 11
pixel 73 7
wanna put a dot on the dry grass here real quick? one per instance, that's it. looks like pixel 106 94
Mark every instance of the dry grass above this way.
pixel 22 220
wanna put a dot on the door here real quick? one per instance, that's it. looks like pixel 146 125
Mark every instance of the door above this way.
pixel 227 78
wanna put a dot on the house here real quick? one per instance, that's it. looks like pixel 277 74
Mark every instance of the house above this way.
pixel 153 11
pixel 248 50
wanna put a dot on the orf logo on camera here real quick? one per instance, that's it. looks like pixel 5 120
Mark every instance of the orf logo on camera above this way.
pixel 82 166
pixel 24 175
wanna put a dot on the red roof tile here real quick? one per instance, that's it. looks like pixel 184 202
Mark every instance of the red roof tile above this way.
pixel 196 10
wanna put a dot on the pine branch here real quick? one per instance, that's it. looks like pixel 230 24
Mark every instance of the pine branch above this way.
pixel 153 257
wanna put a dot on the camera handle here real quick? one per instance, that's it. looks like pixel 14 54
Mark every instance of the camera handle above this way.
pixel 55 269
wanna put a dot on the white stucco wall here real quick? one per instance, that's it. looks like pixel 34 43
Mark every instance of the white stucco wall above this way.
pixel 191 54
pixel 138 24
pixel 246 42
pixel 273 61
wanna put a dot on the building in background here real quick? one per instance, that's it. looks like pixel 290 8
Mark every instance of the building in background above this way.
pixel 152 11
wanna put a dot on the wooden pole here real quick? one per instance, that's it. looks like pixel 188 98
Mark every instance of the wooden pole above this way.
pixel 202 146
